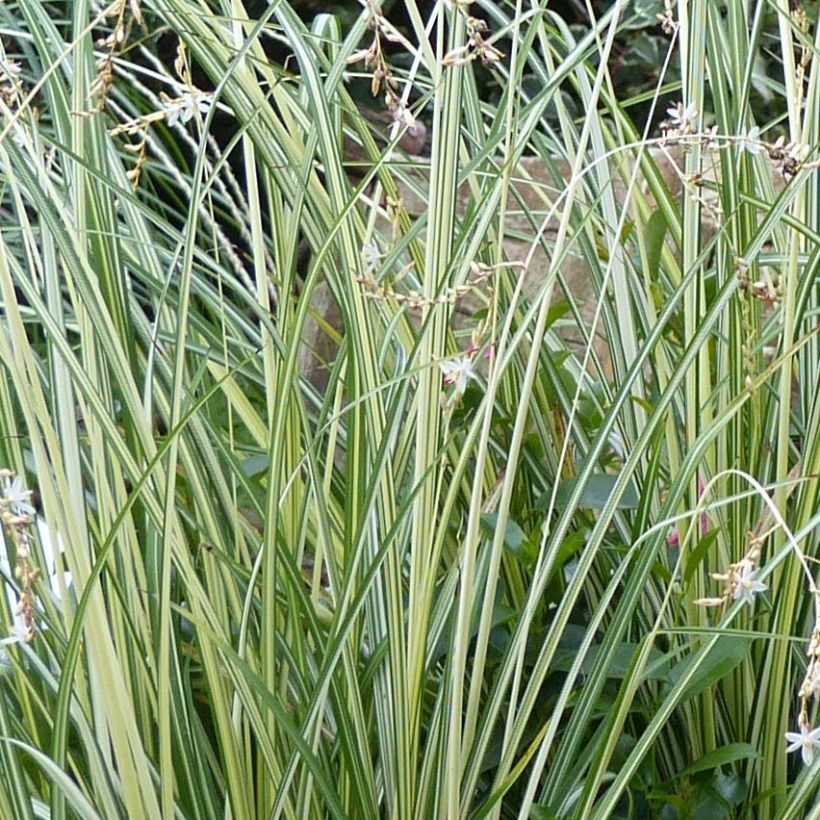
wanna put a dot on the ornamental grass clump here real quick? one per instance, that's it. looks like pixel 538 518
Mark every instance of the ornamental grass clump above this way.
pixel 542 541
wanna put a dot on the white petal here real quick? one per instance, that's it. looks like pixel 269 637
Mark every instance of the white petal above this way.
pixel 795 741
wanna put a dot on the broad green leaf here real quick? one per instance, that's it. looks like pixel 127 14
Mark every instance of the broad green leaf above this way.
pixel 515 539
pixel 728 652
pixel 729 753
pixel 655 233
pixel 617 662
pixel 597 490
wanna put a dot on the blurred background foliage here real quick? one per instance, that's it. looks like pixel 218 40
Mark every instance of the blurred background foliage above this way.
pixel 637 59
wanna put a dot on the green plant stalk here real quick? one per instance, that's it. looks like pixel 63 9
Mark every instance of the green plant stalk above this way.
pixel 510 154
pixel 693 17
pixel 789 581
pixel 527 386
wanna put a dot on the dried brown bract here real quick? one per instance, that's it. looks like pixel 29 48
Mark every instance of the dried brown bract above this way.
pixel 17 516
pixel 788 157
pixel 477 46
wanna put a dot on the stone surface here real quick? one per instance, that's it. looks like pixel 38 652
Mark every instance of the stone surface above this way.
pixel 536 186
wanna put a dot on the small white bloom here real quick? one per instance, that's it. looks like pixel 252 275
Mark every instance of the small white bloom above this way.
pixel 712 139
pixel 751 142
pixel 17 634
pixel 183 108
pixel 370 256
pixel 9 69
pixel 17 497
pixel 680 117
pixel 458 372
pixel 805 740
pixel 404 116
pixel 746 587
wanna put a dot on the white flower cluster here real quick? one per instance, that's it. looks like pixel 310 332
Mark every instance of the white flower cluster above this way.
pixel 741 582
pixel 681 127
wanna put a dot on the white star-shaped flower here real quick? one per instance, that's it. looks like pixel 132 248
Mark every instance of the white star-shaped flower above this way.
pixel 680 117
pixel 712 139
pixel 751 142
pixel 746 587
pixel 17 496
pixel 17 634
pixel 370 256
pixel 458 372
pixel 183 108
pixel 10 69
pixel 805 740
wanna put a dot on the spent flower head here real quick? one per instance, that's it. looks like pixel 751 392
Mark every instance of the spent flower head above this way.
pixel 788 157
pixel 10 81
pixel 810 687
pixel 811 683
pixel 403 115
pixel 477 45
pixel 669 24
